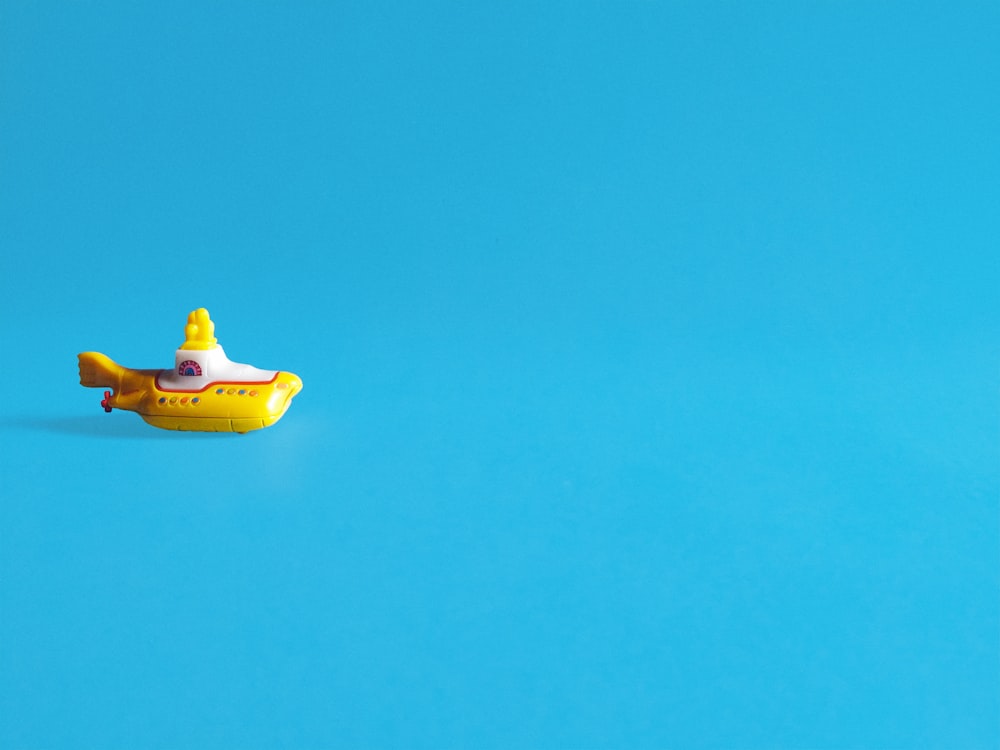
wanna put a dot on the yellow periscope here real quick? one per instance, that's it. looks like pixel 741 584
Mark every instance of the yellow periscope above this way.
pixel 205 391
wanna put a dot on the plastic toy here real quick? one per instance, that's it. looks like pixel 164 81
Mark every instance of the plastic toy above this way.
pixel 205 391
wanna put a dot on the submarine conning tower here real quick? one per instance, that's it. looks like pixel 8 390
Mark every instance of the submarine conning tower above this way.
pixel 200 347
pixel 201 361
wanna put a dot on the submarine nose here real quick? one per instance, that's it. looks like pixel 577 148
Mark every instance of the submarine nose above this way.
pixel 294 384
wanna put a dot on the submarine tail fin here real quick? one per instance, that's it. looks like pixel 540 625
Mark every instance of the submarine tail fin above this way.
pixel 99 371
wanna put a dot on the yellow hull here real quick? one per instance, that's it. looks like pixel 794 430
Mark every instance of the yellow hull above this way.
pixel 209 424
pixel 219 407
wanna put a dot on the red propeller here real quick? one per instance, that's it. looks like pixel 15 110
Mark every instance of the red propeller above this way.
pixel 106 401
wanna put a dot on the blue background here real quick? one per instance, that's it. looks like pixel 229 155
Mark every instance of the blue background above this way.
pixel 650 360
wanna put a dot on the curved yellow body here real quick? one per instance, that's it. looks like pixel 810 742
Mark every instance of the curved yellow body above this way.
pixel 160 398
pixel 220 407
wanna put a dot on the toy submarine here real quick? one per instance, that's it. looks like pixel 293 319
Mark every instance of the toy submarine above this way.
pixel 205 391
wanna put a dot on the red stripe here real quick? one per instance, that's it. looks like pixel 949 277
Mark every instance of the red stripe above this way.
pixel 215 383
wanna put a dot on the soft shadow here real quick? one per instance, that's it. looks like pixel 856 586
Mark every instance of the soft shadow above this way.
pixel 106 426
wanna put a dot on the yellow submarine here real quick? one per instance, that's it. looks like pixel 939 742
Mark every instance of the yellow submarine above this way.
pixel 205 391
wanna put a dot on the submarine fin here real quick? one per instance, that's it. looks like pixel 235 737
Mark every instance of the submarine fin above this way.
pixel 99 371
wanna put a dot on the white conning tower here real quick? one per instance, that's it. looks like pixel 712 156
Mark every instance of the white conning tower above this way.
pixel 201 361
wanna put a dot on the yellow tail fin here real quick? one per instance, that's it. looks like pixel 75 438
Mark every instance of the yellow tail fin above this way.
pixel 99 371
